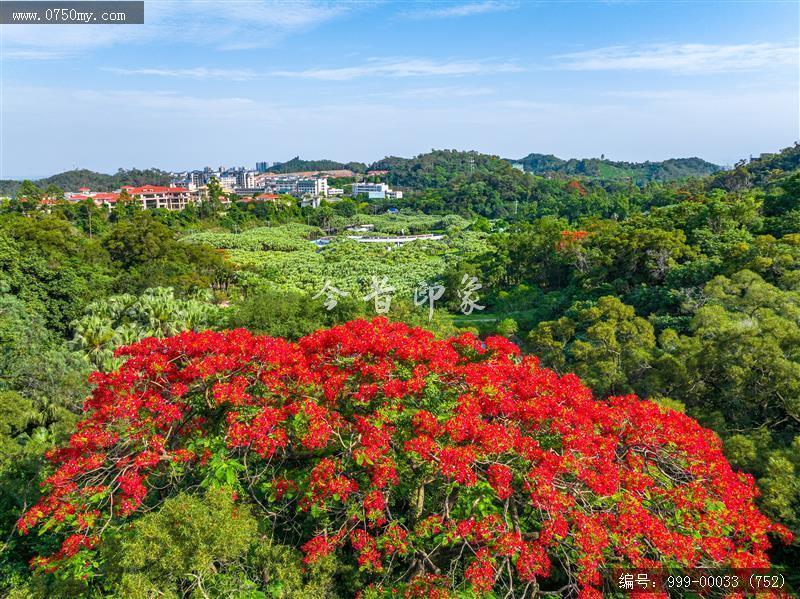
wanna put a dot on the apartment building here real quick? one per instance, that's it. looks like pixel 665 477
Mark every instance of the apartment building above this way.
pixel 155 196
pixel 313 187
pixel 246 179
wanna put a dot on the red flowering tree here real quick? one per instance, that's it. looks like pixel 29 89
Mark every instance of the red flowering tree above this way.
pixel 432 465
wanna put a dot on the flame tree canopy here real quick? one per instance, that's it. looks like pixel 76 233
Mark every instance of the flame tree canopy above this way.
pixel 432 466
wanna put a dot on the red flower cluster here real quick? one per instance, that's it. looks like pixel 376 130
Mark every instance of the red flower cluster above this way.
pixel 401 452
pixel 570 239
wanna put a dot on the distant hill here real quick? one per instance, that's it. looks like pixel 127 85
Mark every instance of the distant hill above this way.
pixel 437 168
pixel 75 179
pixel 298 165
pixel 600 168
pixel 441 168
pixel 759 171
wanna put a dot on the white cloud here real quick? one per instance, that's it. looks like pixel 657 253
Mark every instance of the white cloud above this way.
pixel 445 92
pixel 190 73
pixel 161 103
pixel 51 42
pixel 682 58
pixel 396 68
pixel 415 67
pixel 183 130
pixel 233 25
pixel 463 10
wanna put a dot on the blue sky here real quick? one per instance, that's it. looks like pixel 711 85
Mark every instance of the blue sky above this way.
pixel 228 83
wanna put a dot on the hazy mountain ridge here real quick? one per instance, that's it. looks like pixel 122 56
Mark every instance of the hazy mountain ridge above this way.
pixel 75 179
pixel 601 168
pixel 439 168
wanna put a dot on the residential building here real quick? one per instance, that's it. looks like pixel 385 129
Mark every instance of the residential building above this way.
pixel 227 181
pixel 154 196
pixel 313 187
pixel 262 167
pixel 246 179
pixel 99 198
pixel 196 179
pixel 107 199
pixel 310 201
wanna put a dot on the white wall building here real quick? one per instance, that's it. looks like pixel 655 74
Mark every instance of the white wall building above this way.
pixel 369 188
pixel 246 179
pixel 375 191
pixel 280 184
pixel 314 187
pixel 310 201
pixel 227 181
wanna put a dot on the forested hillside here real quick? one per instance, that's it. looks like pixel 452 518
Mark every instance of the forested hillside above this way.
pixel 381 458
pixel 436 169
pixel 74 180
pixel 298 165
pixel 600 168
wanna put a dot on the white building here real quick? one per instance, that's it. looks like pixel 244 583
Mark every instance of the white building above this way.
pixel 369 189
pixel 335 191
pixel 196 179
pixel 246 179
pixel 313 187
pixel 227 181
pixel 280 185
pixel 310 201
pixel 375 191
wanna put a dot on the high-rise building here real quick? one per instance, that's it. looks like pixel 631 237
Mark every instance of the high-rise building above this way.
pixel 196 179
pixel 227 181
pixel 262 167
pixel 246 179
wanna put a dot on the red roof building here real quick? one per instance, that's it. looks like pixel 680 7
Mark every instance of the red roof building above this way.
pixel 150 196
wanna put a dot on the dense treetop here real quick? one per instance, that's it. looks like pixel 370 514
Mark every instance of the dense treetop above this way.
pixel 297 164
pixel 430 465
pixel 684 293
pixel 600 168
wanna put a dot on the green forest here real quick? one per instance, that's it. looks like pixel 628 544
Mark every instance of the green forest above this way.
pixel 75 179
pixel 600 168
pixel 676 281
